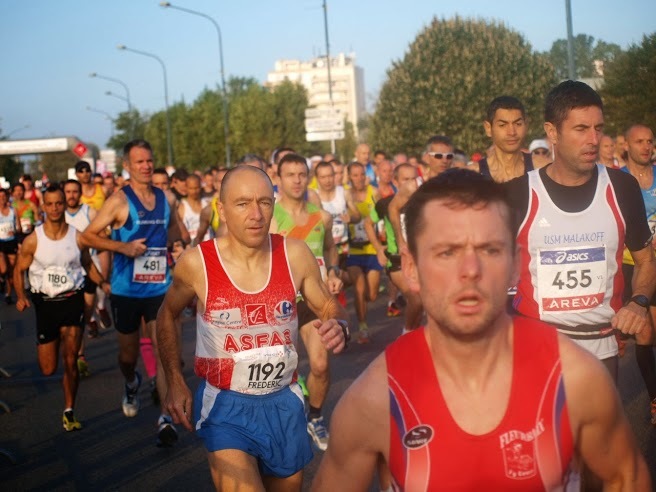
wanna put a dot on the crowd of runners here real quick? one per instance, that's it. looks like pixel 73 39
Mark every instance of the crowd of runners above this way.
pixel 517 275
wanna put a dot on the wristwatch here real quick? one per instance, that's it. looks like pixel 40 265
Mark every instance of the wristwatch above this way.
pixel 345 329
pixel 334 267
pixel 640 300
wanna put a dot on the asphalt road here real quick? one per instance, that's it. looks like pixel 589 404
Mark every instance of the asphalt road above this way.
pixel 113 452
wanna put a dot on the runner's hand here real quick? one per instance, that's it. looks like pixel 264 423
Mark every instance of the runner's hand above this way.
pixel 134 248
pixel 382 258
pixel 630 319
pixel 22 304
pixel 332 335
pixel 178 404
pixel 334 283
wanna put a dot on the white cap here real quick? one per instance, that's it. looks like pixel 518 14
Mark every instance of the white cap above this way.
pixel 539 144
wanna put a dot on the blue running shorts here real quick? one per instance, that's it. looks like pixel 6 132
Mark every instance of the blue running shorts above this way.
pixel 271 427
pixel 365 262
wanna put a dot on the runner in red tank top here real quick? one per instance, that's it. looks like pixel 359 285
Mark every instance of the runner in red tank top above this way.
pixel 476 400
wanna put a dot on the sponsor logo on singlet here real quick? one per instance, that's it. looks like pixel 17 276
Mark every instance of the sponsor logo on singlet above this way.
pixel 418 436
pixel 226 317
pixel 284 311
pixel 256 314
pixel 518 448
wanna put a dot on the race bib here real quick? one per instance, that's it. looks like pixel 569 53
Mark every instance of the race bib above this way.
pixel 263 370
pixel 571 279
pixel 322 268
pixel 150 268
pixel 359 234
pixel 56 281
pixel 26 225
pixel 339 229
pixel 6 230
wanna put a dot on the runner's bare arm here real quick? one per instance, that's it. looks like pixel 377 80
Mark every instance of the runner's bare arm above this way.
pixel 313 198
pixel 307 279
pixel 632 318
pixel 204 224
pixel 373 239
pixel 394 213
pixel 24 259
pixel 114 212
pixel 359 433
pixel 177 229
pixel 182 291
pixel 91 269
pixel 603 436
pixel 330 256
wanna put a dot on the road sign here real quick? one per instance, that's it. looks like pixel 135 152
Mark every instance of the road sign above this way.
pixel 322 113
pixel 80 149
pixel 319 136
pixel 324 124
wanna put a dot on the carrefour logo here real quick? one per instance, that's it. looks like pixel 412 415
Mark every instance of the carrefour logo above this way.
pixel 284 311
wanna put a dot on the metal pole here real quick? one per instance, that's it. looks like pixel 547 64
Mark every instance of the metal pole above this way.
pixel 107 117
pixel 570 42
pixel 166 96
pixel 127 95
pixel 226 129
pixel 330 82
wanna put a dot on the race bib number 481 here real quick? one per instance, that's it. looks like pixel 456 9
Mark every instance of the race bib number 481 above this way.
pixel 150 267
pixel 573 279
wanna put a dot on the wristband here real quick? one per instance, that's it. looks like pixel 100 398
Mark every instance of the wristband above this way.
pixel 345 329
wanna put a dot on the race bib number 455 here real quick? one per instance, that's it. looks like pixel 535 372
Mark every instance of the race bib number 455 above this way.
pixel 150 267
pixel 573 279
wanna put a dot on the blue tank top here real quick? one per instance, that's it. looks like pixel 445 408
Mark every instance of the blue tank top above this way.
pixel 147 275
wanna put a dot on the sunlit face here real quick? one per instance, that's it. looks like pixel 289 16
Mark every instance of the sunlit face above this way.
pixel 507 130
pixel 247 207
pixel 606 148
pixel 640 145
pixel 339 174
pixel 161 181
pixel 4 199
pixel 362 153
pixel 438 158
pixel 72 194
pixel 109 184
pixel 140 165
pixel 576 142
pixel 464 264
pixel 193 188
pixel 378 158
pixel 83 175
pixel 325 178
pixel 293 180
pixel 406 175
pixel 357 177
pixel 18 193
pixel 385 172
pixel 53 206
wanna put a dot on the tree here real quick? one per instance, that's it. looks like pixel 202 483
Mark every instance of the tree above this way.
pixel 586 52
pixel 449 75
pixel 629 91
pixel 129 125
pixel 57 164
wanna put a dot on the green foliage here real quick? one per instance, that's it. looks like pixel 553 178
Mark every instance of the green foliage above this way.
pixel 57 164
pixel 585 53
pixel 128 125
pixel 629 91
pixel 449 75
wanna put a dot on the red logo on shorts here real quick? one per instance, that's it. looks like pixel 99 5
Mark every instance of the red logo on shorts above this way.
pixel 256 314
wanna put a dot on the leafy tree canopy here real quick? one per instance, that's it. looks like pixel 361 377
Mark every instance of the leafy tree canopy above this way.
pixel 586 52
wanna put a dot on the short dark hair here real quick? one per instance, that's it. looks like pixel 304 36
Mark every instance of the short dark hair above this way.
pixel 380 152
pixel 461 187
pixel 278 151
pixel 180 174
pixel 321 165
pixel 503 102
pixel 353 165
pixel 139 143
pixel 54 188
pixel 401 167
pixel 566 96
pixel 161 170
pixel 27 177
pixel 20 185
pixel 292 158
pixel 231 172
pixel 73 181
pixel 439 139
pixel 5 191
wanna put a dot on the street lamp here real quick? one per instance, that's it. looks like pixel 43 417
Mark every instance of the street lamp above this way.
pixel 110 93
pixel 226 131
pixel 126 99
pixel 16 131
pixel 166 96
pixel 107 117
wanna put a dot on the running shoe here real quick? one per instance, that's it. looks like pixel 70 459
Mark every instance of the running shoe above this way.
pixel 363 336
pixel 400 300
pixel 167 436
pixel 301 383
pixel 104 318
pixel 653 411
pixel 93 329
pixel 131 398
pixel 70 422
pixel 393 311
pixel 318 432
pixel 83 367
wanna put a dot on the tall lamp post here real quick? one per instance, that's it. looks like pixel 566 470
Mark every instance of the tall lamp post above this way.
pixel 226 131
pixel 127 95
pixel 16 131
pixel 107 117
pixel 166 96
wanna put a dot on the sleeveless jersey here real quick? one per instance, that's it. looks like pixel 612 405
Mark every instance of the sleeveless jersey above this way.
pixel 245 341
pixel 484 167
pixel 32 197
pixel 191 220
pixel 25 215
pixel 80 219
pixel 147 275
pixel 649 197
pixel 571 265
pixel 530 449
pixel 359 241
pixel 312 232
pixel 56 269
pixel 96 200
pixel 215 219
pixel 336 207
pixel 8 225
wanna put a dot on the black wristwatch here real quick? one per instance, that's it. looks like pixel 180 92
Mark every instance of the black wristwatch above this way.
pixel 345 329
pixel 640 300
pixel 335 268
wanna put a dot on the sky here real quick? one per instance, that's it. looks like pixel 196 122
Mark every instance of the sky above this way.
pixel 49 47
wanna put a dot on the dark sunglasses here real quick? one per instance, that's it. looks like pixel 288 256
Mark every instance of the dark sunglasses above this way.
pixel 439 155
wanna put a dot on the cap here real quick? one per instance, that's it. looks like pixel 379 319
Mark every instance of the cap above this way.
pixel 80 165
pixel 538 144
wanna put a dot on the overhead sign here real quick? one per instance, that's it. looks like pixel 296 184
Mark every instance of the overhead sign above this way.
pixel 322 113
pixel 80 149
pixel 319 136
pixel 324 124
pixel 36 146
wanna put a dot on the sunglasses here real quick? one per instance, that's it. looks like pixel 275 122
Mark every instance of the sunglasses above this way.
pixel 541 152
pixel 439 155
pixel 84 171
